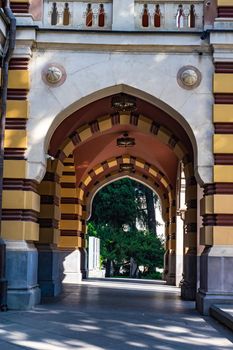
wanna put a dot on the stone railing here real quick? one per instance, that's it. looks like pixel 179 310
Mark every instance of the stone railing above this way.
pixel 137 15
pixel 169 15
pixel 79 15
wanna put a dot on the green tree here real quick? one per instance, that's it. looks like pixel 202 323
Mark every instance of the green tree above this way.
pixel 115 205
pixel 116 208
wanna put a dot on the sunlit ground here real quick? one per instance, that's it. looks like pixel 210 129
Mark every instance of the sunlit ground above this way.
pixel 113 314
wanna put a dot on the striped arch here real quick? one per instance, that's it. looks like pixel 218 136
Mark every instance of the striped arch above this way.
pixel 138 176
pixel 116 175
pixel 141 123
pixel 113 164
pixel 145 173
pixel 74 200
pixel 72 226
pixel 146 125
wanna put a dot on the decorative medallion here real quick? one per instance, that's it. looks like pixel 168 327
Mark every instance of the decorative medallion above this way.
pixel 189 77
pixel 53 75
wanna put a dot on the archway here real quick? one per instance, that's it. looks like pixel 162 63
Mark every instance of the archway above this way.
pixel 125 226
pixel 86 153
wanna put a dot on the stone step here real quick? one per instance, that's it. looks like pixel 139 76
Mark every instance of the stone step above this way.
pixel 223 313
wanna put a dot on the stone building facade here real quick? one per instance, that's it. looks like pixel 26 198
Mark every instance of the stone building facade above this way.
pixel 84 74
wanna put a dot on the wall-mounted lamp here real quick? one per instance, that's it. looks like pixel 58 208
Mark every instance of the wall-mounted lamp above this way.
pixel 127 167
pixel 124 103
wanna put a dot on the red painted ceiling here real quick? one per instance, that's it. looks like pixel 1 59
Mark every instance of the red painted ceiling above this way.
pixel 102 146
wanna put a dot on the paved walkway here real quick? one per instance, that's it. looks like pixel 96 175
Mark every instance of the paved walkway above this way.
pixel 113 314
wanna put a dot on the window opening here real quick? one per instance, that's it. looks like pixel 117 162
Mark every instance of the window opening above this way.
pixel 145 16
pixel 89 16
pixel 101 17
pixel 54 14
pixel 180 17
pixel 157 17
pixel 192 17
pixel 66 15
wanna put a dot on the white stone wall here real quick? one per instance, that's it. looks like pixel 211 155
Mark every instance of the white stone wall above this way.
pixel 92 75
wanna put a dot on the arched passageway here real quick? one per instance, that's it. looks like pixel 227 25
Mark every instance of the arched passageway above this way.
pixel 86 154
pixel 83 154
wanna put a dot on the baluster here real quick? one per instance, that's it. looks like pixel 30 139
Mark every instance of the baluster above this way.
pixel 157 17
pixel 54 14
pixel 180 17
pixel 101 16
pixel 192 17
pixel 66 15
pixel 145 16
pixel 89 16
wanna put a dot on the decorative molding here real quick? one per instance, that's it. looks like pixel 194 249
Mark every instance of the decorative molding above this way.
pixel 224 158
pixel 19 63
pixel 223 98
pixel 20 185
pixel 17 94
pixel 14 153
pixel 48 199
pixel 20 7
pixel 225 11
pixel 48 223
pixel 19 215
pixel 16 123
pixel 223 128
pixel 218 188
pixel 218 220
pixel 223 67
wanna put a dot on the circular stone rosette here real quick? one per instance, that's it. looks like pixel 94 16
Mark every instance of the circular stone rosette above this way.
pixel 189 77
pixel 53 74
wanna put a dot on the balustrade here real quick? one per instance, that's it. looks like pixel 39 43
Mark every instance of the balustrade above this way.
pixel 80 15
pixel 167 15
pixel 148 16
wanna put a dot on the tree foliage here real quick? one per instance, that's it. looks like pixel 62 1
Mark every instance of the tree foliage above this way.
pixel 115 205
pixel 116 209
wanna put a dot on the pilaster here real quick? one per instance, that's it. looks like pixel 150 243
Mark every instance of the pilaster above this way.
pixel 189 282
pixel 216 235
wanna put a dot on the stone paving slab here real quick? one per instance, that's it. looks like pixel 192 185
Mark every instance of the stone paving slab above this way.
pixel 112 315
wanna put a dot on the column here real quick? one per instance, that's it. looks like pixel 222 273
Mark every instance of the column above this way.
pixel 216 261
pixel 70 240
pixel 172 245
pixel 181 209
pixel 21 202
pixel 49 275
pixel 171 275
pixel 166 254
pixel 189 282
